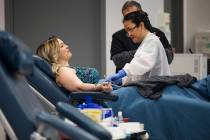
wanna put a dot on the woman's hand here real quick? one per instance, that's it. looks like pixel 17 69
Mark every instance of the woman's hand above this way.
pixel 105 87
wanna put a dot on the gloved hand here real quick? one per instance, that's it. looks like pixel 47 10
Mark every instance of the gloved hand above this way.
pixel 117 82
pixel 117 78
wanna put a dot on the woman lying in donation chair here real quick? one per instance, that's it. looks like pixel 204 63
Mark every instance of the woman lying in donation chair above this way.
pixel 58 54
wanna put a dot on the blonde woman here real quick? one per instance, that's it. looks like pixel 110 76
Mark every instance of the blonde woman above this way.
pixel 58 54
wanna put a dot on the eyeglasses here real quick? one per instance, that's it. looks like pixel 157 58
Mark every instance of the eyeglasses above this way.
pixel 130 30
pixel 51 38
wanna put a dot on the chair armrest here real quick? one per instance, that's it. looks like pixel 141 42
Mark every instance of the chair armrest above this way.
pixel 96 96
pixel 83 121
pixel 69 130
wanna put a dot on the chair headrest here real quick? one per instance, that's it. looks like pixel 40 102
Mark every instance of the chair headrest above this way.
pixel 15 54
pixel 44 66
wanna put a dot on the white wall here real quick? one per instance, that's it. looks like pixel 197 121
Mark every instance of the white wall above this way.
pixel 2 15
pixel 114 21
pixel 196 18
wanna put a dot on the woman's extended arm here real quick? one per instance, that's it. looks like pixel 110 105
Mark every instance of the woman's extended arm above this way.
pixel 68 79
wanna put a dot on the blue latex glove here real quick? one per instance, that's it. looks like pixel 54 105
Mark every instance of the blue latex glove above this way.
pixel 117 78
pixel 117 82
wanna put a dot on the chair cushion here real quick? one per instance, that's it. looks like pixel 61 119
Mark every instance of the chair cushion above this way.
pixel 15 55
pixel 44 66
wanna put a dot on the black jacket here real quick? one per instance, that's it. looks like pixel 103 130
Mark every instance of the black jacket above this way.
pixel 123 48
pixel 152 87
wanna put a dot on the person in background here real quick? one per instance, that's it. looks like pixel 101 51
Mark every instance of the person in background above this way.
pixel 150 58
pixel 58 54
pixel 122 46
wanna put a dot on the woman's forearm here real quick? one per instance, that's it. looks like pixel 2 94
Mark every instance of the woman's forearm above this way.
pixel 89 87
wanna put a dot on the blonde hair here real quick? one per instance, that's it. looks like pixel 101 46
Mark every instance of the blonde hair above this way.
pixel 49 50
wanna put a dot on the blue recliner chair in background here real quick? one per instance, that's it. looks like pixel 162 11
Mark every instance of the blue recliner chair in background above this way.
pixel 20 106
pixel 43 80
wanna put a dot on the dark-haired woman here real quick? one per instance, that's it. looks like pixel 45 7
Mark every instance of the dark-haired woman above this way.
pixel 150 58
